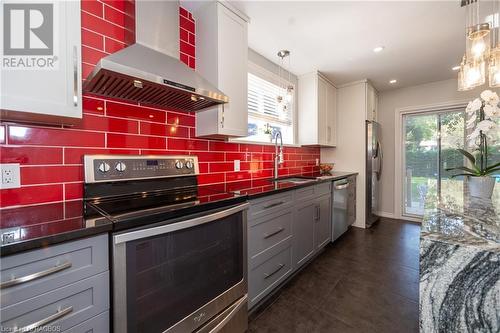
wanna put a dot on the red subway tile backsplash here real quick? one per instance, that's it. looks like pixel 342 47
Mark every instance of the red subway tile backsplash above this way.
pixel 92 39
pixel 31 155
pixel 137 112
pixel 93 7
pixel 43 136
pixel 28 195
pixel 31 175
pixel 135 141
pixel 51 158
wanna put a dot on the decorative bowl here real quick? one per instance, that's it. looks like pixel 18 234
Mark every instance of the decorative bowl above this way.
pixel 325 168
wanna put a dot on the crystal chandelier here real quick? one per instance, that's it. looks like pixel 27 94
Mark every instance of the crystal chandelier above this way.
pixel 482 48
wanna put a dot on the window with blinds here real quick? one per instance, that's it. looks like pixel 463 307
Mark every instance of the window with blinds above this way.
pixel 266 115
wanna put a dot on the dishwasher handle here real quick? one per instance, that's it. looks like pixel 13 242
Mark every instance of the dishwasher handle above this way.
pixel 342 186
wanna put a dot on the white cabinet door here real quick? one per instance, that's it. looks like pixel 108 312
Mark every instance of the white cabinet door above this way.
pixel 331 116
pixel 222 58
pixel 233 72
pixel 52 94
pixel 371 103
pixel 317 111
pixel 322 111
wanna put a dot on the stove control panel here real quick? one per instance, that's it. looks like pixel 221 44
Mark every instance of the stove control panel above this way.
pixel 105 168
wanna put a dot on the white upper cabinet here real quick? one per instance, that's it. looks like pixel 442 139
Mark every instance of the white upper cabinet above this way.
pixel 52 92
pixel 222 59
pixel 317 111
pixel 371 103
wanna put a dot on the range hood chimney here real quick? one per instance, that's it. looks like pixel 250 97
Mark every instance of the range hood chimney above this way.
pixel 149 71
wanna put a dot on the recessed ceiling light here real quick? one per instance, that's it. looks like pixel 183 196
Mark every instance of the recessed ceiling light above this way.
pixel 393 81
pixel 455 68
pixel 378 49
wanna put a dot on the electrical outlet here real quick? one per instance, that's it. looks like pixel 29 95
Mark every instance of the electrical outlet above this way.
pixel 11 175
pixel 236 165
pixel 10 235
pixel 317 162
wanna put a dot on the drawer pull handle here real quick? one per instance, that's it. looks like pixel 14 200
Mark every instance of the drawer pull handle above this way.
pixel 274 204
pixel 15 281
pixel 266 236
pixel 59 314
pixel 280 267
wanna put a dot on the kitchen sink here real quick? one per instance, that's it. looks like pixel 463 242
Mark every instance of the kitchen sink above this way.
pixel 295 180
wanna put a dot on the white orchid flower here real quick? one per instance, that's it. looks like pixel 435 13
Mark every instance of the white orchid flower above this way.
pixel 471 122
pixel 491 111
pixel 473 136
pixel 473 106
pixel 485 126
pixel 490 97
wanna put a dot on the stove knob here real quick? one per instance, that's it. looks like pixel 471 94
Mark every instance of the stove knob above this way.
pixel 120 166
pixel 189 164
pixel 103 167
pixel 179 164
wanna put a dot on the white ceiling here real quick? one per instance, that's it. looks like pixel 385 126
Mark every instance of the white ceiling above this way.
pixel 422 39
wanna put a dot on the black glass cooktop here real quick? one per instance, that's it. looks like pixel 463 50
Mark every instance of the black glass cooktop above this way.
pixel 128 210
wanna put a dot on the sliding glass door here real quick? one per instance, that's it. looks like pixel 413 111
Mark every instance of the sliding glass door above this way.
pixel 430 141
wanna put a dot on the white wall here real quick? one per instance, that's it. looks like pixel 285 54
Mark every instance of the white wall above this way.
pixel 389 102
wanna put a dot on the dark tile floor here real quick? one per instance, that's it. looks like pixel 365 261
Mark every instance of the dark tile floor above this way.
pixel 367 281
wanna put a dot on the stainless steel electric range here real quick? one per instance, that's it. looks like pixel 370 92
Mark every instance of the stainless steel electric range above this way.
pixel 179 256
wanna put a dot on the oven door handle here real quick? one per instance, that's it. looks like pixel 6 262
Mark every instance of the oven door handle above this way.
pixel 236 307
pixel 163 229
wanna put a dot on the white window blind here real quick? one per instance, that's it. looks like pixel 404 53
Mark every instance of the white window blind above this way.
pixel 265 115
pixel 263 103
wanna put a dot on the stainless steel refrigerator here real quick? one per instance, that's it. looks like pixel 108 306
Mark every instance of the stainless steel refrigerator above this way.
pixel 373 170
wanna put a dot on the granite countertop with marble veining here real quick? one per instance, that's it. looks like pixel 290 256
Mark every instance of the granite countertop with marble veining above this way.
pixel 460 262
pixel 457 218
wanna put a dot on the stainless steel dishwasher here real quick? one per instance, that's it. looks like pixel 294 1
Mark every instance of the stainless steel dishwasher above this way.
pixel 344 205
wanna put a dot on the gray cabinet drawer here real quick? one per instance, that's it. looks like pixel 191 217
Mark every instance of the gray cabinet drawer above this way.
pixel 323 188
pixel 264 277
pixel 268 231
pixel 67 306
pixel 97 324
pixel 58 266
pixel 313 191
pixel 269 204
pixel 304 193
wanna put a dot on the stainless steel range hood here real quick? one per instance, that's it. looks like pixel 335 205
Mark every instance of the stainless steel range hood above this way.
pixel 149 71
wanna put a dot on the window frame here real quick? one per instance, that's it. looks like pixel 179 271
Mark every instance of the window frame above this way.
pixel 273 78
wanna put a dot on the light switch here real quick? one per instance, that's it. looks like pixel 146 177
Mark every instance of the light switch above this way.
pixel 236 165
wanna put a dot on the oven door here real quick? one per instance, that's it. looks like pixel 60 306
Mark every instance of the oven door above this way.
pixel 176 277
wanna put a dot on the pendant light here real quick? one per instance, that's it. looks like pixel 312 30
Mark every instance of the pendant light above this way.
pixel 472 69
pixel 482 48
pixel 286 87
pixel 494 65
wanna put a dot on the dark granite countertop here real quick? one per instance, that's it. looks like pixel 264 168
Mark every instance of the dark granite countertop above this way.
pixel 268 186
pixel 456 218
pixel 41 225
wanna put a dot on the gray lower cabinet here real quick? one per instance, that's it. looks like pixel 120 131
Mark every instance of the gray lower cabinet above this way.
pixel 285 231
pixel 323 220
pixel 268 270
pixel 57 287
pixel 97 324
pixel 303 231
pixel 61 308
